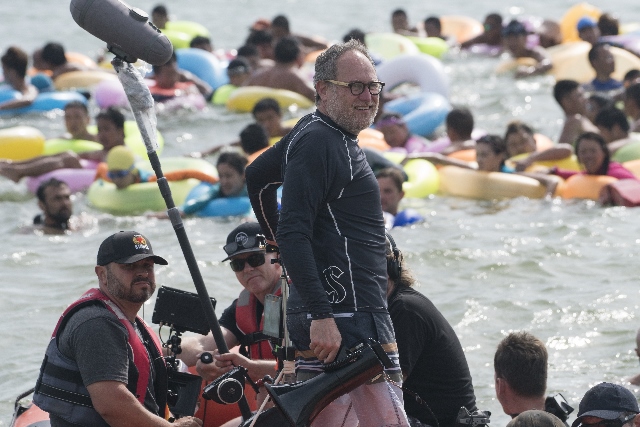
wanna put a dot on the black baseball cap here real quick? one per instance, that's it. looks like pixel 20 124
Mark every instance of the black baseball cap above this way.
pixel 607 401
pixel 514 27
pixel 245 238
pixel 126 247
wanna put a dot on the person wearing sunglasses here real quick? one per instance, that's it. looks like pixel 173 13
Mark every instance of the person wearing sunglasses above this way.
pixel 251 260
pixel 121 169
pixel 607 405
pixel 330 231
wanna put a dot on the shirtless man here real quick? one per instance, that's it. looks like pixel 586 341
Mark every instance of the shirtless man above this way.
pixel 14 68
pixel 280 29
pixel 76 120
pixel 284 74
pixel 570 97
pixel 515 41
pixel 54 199
pixel 400 23
pixel 492 34
pixel 52 57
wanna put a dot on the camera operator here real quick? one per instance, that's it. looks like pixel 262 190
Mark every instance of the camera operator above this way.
pixel 241 322
pixel 103 365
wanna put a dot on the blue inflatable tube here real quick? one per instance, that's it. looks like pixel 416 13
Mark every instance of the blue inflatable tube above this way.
pixel 422 112
pixel 199 202
pixel 407 217
pixel 203 64
pixel 44 102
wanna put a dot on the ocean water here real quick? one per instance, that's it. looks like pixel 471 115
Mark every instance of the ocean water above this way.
pixel 564 270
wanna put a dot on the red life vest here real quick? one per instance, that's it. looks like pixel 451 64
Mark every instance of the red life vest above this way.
pixel 246 313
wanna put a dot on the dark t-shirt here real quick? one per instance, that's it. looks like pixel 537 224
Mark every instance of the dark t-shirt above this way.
pixel 431 358
pixel 97 341
pixel 330 218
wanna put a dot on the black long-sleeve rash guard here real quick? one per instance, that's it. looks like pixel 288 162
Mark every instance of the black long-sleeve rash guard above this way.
pixel 330 228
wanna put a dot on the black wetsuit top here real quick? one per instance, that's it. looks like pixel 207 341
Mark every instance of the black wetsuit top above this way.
pixel 330 218
pixel 431 358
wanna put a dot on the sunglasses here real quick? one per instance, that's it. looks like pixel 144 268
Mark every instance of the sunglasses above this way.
pixel 618 422
pixel 255 260
pixel 117 174
pixel 257 241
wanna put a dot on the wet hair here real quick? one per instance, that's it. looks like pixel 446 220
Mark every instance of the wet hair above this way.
pixel 435 21
pixel 51 182
pixel 593 52
pixel 259 37
pixel 160 10
pixel 199 40
pixel 495 17
pixel 112 114
pixel 16 59
pixel 608 25
pixel 238 65
pixel 631 75
pixel 157 68
pixel 564 88
pixel 495 142
pixel 247 50
pixel 521 360
pixel 266 104
pixel 287 50
pixel 633 93
pixel 514 28
pixel 461 120
pixel 355 34
pixel 517 126
pixel 53 53
pixel 609 117
pixel 235 160
pixel 603 146
pixel 399 12
pixel 394 175
pixel 77 104
pixel 253 138
pixel 327 62
pixel 281 21
pixel 406 278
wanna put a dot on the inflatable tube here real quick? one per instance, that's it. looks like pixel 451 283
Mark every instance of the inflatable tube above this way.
pixel 633 166
pixel 424 179
pixel 76 179
pixel 110 93
pixel 133 138
pixel 372 138
pixel 180 33
pixel 82 80
pixel 60 145
pixel 221 206
pixel 204 65
pixel 569 22
pixel 45 101
pixel 245 98
pixel 630 42
pixel 21 143
pixel 570 61
pixel 511 65
pixel 422 112
pixel 584 186
pixel 473 184
pixel 81 59
pixel 569 163
pixel 433 46
pixel 390 45
pixel 485 49
pixel 422 70
pixel 222 93
pixel 407 217
pixel 627 153
pixel 460 28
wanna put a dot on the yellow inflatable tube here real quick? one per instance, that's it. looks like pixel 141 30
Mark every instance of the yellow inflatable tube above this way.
pixel 390 45
pixel 424 179
pixel 74 80
pixel 569 22
pixel 569 163
pixel 245 98
pixel 21 143
pixel 473 184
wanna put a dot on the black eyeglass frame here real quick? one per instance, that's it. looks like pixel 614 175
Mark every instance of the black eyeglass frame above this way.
pixel 352 85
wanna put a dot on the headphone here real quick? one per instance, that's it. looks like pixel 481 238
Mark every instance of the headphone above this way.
pixel 394 265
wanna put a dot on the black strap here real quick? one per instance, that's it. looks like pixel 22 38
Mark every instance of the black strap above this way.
pixel 253 338
pixel 62 373
pixel 66 396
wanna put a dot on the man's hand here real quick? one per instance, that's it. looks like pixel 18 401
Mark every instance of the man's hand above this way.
pixel 222 363
pixel 325 339
pixel 187 422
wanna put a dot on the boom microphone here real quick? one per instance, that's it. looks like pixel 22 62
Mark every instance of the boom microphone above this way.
pixel 127 30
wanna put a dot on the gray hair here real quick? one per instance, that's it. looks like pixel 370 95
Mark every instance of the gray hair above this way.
pixel 327 62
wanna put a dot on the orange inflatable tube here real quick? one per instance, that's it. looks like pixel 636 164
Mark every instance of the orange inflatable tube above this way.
pixel 584 186
pixel 178 175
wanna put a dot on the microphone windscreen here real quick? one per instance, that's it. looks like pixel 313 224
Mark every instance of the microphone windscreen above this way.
pixel 126 30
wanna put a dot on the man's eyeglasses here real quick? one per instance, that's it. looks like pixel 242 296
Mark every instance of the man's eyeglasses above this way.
pixel 118 174
pixel 256 241
pixel 357 88
pixel 618 422
pixel 255 260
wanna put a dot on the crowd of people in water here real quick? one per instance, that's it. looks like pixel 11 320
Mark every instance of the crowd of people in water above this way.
pixel 600 118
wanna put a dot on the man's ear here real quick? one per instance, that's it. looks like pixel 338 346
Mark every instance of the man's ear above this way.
pixel 41 206
pixel 101 272
pixel 321 89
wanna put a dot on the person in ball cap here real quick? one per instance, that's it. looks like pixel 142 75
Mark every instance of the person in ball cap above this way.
pixel 251 259
pixel 104 364
pixel 607 405
pixel 588 30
